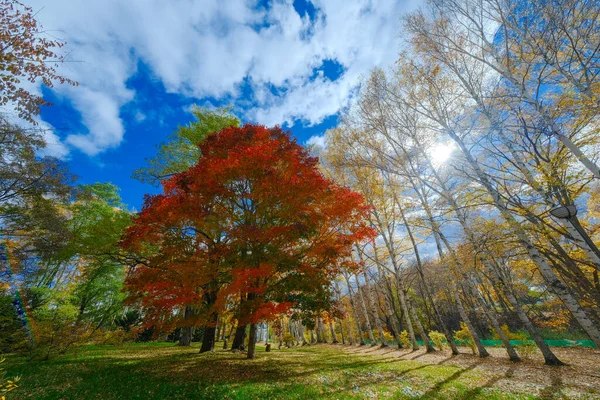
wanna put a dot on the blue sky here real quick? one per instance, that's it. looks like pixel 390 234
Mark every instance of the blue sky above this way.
pixel 142 63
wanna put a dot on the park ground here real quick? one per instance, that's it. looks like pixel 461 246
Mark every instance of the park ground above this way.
pixel 165 371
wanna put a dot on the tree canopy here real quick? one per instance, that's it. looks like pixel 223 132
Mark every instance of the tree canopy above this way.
pixel 253 221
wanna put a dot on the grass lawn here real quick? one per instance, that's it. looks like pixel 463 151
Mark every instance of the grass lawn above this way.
pixel 164 371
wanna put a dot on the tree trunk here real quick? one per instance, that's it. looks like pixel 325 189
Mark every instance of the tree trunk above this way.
pixel 429 348
pixel 187 331
pixel 322 330
pixel 373 306
pixel 361 341
pixel 17 302
pixel 252 342
pixel 230 331
pixel 437 235
pixel 365 312
pixel 267 339
pixel 395 330
pixel 589 164
pixel 549 356
pixel 333 336
pixel 463 314
pixel 447 333
pixel 399 285
pixel 512 354
pixel 404 305
pixel 208 340
pixel 239 338
pixel 304 343
pixel 318 328
pixel 218 331
pixel 223 329
pixel 351 340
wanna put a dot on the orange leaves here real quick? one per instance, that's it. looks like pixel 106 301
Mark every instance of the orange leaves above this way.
pixel 270 310
pixel 249 279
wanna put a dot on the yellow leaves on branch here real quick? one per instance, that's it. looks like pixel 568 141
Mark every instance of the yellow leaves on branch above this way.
pixel 7 385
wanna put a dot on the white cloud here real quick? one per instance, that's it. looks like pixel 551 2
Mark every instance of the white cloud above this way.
pixel 140 116
pixel 207 49
pixel 100 114
pixel 316 140
pixel 54 146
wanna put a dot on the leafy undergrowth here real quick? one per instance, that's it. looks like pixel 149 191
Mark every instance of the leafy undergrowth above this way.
pixel 165 371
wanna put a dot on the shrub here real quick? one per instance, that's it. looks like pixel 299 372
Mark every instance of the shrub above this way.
pixel 116 337
pixel 288 340
pixel 510 335
pixel 58 327
pixel 375 333
pixel 388 337
pixel 405 339
pixel 53 339
pixel 438 339
pixel 464 336
pixel 527 349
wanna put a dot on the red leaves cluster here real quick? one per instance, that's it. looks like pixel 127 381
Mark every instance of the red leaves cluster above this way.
pixel 252 222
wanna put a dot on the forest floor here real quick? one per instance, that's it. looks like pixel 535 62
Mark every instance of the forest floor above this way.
pixel 165 371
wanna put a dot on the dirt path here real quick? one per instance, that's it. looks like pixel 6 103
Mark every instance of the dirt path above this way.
pixel 531 376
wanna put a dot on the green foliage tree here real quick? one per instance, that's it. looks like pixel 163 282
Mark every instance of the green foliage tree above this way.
pixel 31 189
pixel 98 221
pixel 180 151
pixel 73 289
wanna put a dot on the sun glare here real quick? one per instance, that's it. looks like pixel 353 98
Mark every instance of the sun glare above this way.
pixel 440 153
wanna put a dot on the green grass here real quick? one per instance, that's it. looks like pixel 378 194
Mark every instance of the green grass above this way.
pixel 164 371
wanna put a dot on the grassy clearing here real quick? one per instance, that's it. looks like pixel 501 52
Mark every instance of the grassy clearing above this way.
pixel 164 371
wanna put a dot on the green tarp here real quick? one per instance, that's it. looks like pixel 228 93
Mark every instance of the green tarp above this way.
pixel 553 343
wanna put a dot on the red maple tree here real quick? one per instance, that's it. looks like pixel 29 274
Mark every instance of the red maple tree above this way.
pixel 254 227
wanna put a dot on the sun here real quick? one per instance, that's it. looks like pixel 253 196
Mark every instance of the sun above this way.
pixel 440 153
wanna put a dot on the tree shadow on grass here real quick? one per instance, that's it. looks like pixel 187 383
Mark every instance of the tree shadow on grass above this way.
pixel 489 384
pixel 175 372
pixel 419 356
pixel 392 377
pixel 226 367
pixel 390 351
pixel 435 389
pixel 402 352
pixel 555 389
pixel 450 358
pixel 371 349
